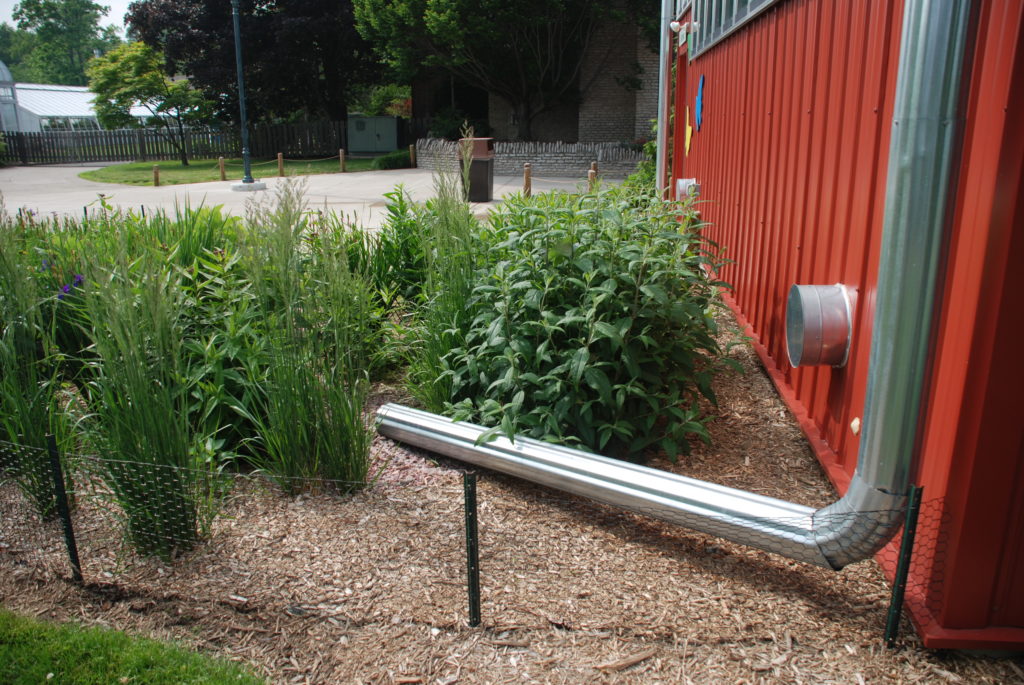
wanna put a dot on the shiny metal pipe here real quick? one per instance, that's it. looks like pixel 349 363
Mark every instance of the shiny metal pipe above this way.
pixel 756 520
pixel 664 81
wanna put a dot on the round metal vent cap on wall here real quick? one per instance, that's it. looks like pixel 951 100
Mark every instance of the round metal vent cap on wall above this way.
pixel 818 325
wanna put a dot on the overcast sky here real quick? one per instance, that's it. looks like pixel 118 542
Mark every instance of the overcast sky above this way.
pixel 118 8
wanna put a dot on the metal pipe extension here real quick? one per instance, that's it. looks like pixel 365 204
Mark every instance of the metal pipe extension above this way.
pixel 921 155
pixel 664 81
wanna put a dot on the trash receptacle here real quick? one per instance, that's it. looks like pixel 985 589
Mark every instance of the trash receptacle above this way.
pixel 481 168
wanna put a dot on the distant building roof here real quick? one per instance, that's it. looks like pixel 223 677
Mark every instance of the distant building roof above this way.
pixel 5 73
pixel 55 101
pixel 46 100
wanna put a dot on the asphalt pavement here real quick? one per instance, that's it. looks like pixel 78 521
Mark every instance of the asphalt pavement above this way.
pixel 57 190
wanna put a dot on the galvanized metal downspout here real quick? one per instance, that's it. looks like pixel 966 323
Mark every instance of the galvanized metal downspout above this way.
pixel 664 79
pixel 921 156
pixel 922 150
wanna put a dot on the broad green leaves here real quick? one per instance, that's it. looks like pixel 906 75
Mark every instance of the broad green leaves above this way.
pixel 587 323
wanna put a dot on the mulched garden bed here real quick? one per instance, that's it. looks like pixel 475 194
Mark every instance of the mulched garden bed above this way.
pixel 371 587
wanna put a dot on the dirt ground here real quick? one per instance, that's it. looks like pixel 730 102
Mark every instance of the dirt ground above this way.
pixel 371 588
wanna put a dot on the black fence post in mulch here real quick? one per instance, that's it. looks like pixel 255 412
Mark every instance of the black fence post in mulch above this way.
pixel 899 583
pixel 63 510
pixel 472 548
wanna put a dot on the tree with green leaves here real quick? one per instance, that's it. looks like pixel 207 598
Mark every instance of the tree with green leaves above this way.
pixel 16 48
pixel 303 60
pixel 530 53
pixel 65 35
pixel 132 75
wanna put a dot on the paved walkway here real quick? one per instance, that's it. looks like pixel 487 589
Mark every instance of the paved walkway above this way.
pixel 58 190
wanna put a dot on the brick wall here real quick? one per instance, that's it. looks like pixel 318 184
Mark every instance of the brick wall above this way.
pixel 570 160
pixel 647 96
pixel 608 109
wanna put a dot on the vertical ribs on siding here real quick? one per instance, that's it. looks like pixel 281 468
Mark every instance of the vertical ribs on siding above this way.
pixel 788 158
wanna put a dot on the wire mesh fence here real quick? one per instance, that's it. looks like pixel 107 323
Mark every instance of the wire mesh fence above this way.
pixel 397 548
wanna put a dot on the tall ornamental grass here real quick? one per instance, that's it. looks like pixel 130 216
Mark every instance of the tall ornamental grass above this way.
pixel 453 243
pixel 319 333
pixel 139 396
pixel 30 397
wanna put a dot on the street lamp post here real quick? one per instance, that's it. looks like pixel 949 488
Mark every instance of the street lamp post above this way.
pixel 247 180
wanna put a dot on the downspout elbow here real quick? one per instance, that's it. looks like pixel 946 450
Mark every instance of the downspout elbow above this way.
pixel 858 525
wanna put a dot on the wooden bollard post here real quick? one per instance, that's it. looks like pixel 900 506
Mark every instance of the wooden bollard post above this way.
pixel 156 174
pixel 592 179
pixel 341 159
pixel 280 164
pixel 412 156
pixel 220 165
pixel 593 167
pixel 527 181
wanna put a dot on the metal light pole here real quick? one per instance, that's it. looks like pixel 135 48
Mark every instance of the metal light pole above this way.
pixel 247 180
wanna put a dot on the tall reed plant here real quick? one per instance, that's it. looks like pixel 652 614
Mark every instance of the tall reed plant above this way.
pixel 320 335
pixel 453 243
pixel 139 397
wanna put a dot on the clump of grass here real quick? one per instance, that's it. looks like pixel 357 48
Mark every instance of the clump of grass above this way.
pixel 29 380
pixel 453 240
pixel 320 333
pixel 139 396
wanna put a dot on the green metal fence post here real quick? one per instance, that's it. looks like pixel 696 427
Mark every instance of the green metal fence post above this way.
pixel 899 583
pixel 472 549
pixel 63 510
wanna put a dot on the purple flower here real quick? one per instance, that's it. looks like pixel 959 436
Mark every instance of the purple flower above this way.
pixel 79 278
pixel 45 266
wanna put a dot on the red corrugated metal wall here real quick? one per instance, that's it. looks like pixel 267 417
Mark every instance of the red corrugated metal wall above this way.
pixel 973 448
pixel 791 155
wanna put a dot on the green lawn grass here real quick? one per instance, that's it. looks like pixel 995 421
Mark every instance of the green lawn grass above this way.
pixel 202 170
pixel 30 651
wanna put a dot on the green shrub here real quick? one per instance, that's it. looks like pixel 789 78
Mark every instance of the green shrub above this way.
pixel 399 159
pixel 588 323
pixel 393 257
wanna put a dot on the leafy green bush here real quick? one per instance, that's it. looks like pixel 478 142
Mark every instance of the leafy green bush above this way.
pixel 399 159
pixel 392 258
pixel 643 179
pixel 589 323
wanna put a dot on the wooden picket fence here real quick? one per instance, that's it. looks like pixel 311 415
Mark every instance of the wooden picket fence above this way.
pixel 306 140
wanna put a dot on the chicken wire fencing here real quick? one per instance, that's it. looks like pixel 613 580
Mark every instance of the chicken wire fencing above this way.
pixel 242 542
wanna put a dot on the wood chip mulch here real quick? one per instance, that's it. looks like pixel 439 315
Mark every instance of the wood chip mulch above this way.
pixel 370 588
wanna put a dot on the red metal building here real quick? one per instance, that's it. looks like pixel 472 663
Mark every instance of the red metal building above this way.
pixel 783 113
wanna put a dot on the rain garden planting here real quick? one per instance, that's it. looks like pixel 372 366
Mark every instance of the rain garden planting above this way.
pixel 186 346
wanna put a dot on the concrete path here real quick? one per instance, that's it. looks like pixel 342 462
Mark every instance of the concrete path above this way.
pixel 58 190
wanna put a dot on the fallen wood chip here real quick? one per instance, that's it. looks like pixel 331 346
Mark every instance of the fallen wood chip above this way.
pixel 507 643
pixel 408 681
pixel 628 661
